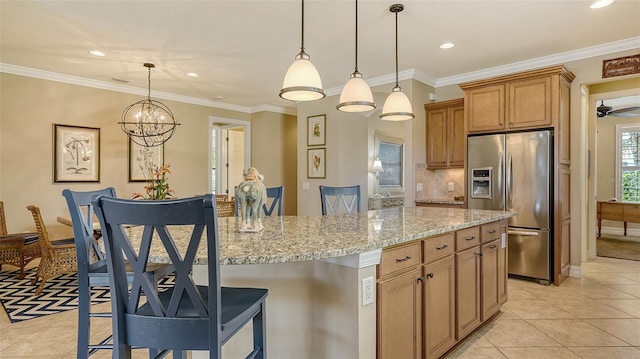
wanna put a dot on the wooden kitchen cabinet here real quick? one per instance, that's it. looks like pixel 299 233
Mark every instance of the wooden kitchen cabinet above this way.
pixel 446 136
pixel 433 292
pixel 400 302
pixel 503 262
pixel 467 291
pixel 400 316
pixel 527 100
pixel 439 306
pixel 489 263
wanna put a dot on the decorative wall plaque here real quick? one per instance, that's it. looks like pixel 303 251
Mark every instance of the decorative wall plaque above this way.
pixel 621 66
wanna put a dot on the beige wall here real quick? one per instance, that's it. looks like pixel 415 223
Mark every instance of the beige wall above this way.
pixel 29 107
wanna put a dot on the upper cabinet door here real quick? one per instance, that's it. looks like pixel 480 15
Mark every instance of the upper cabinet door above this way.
pixel 529 103
pixel 437 138
pixel 457 138
pixel 485 108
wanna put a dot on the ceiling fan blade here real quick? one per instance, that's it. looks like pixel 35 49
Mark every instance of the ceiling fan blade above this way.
pixel 625 112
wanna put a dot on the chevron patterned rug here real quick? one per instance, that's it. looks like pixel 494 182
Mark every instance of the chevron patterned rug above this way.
pixel 60 294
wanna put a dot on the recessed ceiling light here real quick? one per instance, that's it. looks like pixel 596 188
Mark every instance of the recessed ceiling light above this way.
pixel 97 53
pixel 601 3
pixel 192 74
pixel 447 45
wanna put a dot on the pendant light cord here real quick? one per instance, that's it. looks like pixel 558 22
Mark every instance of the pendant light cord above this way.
pixel 356 36
pixel 396 49
pixel 149 83
pixel 302 29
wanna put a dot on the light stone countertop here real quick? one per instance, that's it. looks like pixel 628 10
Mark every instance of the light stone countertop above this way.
pixel 439 201
pixel 303 238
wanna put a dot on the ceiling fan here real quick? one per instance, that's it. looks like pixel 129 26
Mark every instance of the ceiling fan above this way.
pixel 604 110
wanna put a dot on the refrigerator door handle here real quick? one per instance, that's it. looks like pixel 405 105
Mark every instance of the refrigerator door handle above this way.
pixel 523 233
pixel 500 172
pixel 509 180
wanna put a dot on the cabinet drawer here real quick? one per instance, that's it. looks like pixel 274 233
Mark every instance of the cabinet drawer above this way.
pixel 398 258
pixel 631 212
pixel 437 247
pixel 467 238
pixel 489 232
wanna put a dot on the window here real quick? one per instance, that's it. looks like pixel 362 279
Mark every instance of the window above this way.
pixel 628 163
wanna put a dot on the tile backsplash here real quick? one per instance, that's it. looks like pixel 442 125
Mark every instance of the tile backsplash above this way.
pixel 435 183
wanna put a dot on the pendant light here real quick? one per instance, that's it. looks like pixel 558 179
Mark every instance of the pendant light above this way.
pixel 356 95
pixel 302 82
pixel 397 107
pixel 148 123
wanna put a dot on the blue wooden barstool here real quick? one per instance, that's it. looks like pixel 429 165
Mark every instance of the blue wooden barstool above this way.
pixel 185 316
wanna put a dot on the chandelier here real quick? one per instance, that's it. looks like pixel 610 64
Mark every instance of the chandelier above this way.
pixel 148 123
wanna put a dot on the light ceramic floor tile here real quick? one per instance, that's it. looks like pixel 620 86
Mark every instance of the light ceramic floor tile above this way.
pixel 538 353
pixel 576 332
pixel 535 309
pixel 590 309
pixel 607 352
pixel 625 329
pixel 631 306
pixel 633 289
pixel 517 333
pixel 476 353
pixel 606 278
pixel 632 275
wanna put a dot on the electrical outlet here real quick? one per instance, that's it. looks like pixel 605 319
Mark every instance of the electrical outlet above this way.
pixel 305 186
pixel 368 291
pixel 450 186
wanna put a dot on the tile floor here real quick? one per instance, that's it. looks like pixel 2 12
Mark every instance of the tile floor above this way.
pixel 597 316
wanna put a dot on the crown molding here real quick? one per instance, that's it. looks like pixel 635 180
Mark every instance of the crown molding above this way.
pixel 598 50
pixel 557 59
pixel 81 81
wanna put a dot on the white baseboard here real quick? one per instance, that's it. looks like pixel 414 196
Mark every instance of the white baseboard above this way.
pixel 575 272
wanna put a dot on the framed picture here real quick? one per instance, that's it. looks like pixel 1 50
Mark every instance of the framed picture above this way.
pixel 76 154
pixel 316 133
pixel 143 160
pixel 316 165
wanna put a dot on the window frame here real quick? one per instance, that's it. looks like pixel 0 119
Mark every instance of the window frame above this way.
pixel 619 130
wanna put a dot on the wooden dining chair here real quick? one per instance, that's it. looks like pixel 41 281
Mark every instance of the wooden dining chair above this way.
pixel 92 265
pixel 340 199
pixel 185 316
pixel 58 257
pixel 17 249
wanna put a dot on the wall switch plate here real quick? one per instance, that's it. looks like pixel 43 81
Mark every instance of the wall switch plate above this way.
pixel 368 291
pixel 450 186
pixel 419 187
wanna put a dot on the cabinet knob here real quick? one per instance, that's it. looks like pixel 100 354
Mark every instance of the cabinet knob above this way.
pixel 421 279
pixel 442 247
pixel 480 254
pixel 430 275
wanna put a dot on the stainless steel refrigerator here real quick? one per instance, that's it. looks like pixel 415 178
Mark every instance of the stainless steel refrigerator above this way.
pixel 514 172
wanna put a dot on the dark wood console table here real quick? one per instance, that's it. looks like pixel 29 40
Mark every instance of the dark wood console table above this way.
pixel 618 211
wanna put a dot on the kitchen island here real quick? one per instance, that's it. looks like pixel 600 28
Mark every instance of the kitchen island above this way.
pixel 314 269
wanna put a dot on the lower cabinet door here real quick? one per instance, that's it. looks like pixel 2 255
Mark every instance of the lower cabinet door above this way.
pixel 490 272
pixel 467 291
pixel 400 316
pixel 439 306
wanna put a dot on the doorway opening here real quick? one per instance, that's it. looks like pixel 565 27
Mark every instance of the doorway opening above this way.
pixel 229 154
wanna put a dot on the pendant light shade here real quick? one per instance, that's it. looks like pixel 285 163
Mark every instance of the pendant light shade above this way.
pixel 148 123
pixel 356 95
pixel 302 82
pixel 397 107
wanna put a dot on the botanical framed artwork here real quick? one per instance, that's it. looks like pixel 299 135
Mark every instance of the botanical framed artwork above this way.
pixel 143 161
pixel 76 154
pixel 316 163
pixel 316 134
